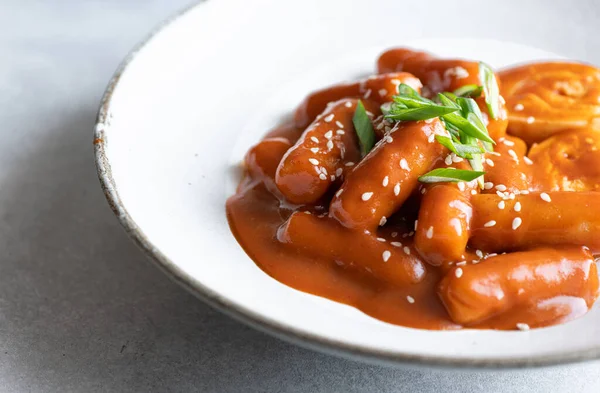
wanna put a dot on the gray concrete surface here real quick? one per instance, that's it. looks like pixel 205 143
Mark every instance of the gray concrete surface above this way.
pixel 81 310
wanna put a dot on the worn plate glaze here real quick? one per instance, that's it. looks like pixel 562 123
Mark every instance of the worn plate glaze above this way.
pixel 185 106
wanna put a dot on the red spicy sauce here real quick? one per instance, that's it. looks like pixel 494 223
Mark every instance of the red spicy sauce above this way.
pixel 315 216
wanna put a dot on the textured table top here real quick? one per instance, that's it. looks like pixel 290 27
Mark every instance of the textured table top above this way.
pixel 81 309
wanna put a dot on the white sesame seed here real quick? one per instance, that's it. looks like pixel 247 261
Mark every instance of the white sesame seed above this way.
pixel 489 162
pixel 404 164
pixel 530 119
pixel 411 233
pixel 508 143
pixel 416 224
pixel 330 145
pixel 473 192
pixel 448 160
pixel 490 223
pixel 527 160
pixel 514 156
pixel 339 124
pixel 338 172
pixel 323 176
pixel 519 107
pixel 500 187
pixel 397 189
pixel 410 299
pixel 461 185
pixel 396 244
pixel 313 161
pixel 517 207
pixel 349 163
pixel 459 72
pixel 456 158
pixel 348 104
pixel 307 212
pixel 545 197
pixel 501 205
pixel 523 326
pixel 340 132
pixel 382 221
pixel 479 253
pixel 366 196
pixel 488 185
pixel 380 239
pixel 368 93
pixel 380 126
pixel 458 272
pixel 339 192
pixel 386 255
pixel 516 223
pixel 328 134
pixel 429 233
pixel 461 263
pixel 382 92
pixel 389 139
pixel 385 181
pixel 332 177
pixel 323 170
pixel 329 118
pixel 406 250
pixel 314 139
pixel 524 192
pixel 370 114
pixel 314 149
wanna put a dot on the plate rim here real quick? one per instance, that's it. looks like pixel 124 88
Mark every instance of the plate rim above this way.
pixel 248 316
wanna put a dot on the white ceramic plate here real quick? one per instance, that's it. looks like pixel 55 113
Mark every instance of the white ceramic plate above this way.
pixel 177 119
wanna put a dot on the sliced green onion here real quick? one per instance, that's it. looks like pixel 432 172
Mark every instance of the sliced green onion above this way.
pixel 490 88
pixel 476 161
pixel 471 111
pixel 460 149
pixel 472 91
pixel 448 99
pixel 467 127
pixel 422 113
pixel 441 175
pixel 407 91
pixel 364 129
